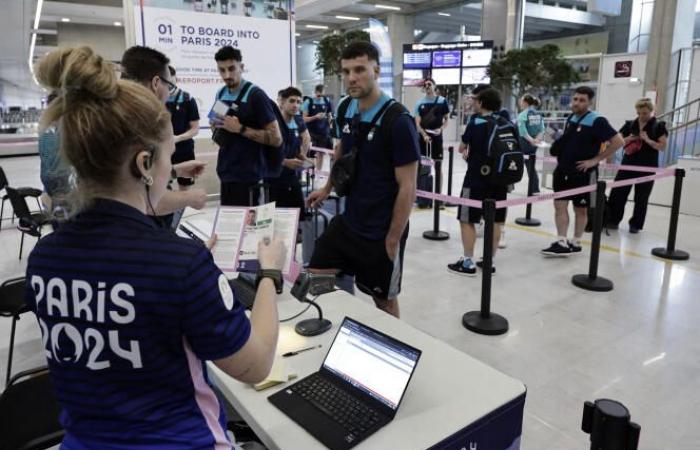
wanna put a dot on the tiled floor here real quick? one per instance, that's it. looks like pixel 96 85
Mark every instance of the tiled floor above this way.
pixel 639 344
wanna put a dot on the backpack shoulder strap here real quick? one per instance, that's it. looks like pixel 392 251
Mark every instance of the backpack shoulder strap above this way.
pixel 342 110
pixel 393 112
pixel 220 94
pixel 244 90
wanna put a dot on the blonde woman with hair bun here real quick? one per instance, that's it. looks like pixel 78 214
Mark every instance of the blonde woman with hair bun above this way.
pixel 644 138
pixel 129 312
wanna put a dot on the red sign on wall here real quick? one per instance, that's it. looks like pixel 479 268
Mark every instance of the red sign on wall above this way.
pixel 623 69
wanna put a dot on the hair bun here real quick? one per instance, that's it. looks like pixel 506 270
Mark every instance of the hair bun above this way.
pixel 78 70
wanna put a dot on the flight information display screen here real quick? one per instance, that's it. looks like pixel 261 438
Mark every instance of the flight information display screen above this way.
pixel 477 57
pixel 475 75
pixel 447 58
pixel 446 76
pixel 416 60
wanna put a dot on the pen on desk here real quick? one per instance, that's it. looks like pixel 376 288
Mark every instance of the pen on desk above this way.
pixel 296 352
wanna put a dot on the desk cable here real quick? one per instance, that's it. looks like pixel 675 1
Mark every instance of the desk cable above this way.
pixel 303 311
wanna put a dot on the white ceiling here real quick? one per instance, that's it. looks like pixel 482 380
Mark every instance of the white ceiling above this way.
pixel 16 24
pixel 540 20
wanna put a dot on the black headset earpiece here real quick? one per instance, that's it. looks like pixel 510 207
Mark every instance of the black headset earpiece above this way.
pixel 147 163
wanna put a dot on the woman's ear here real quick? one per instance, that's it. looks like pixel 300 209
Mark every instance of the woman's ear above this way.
pixel 143 162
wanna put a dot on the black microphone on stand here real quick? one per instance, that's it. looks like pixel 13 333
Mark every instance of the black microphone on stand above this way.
pixel 314 284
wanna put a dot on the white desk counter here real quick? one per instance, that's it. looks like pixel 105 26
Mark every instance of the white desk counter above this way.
pixel 452 401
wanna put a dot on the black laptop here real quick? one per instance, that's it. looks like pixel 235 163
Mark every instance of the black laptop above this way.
pixel 357 390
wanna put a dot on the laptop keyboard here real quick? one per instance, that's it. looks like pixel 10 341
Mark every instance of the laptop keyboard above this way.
pixel 342 407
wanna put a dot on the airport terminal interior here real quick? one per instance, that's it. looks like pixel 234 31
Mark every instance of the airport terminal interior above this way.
pixel 615 320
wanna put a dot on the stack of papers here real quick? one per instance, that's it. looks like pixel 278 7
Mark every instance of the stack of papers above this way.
pixel 280 373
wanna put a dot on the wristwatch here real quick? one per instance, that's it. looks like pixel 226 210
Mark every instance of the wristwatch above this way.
pixel 274 275
pixel 242 130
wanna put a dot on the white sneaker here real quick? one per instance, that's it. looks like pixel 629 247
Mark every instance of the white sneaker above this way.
pixel 502 242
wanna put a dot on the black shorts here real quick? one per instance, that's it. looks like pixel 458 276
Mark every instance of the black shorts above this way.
pixel 182 156
pixel 319 140
pixel 240 194
pixel 375 274
pixel 436 149
pixel 563 181
pixel 470 214
pixel 288 197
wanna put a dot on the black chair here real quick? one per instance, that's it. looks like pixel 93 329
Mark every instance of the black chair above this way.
pixel 29 223
pixel 29 412
pixel 12 305
pixel 24 192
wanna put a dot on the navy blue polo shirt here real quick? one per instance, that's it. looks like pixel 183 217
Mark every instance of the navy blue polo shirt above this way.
pixel 437 104
pixel 243 161
pixel 129 312
pixel 370 204
pixel 183 110
pixel 313 106
pixel 585 141
pixel 476 136
pixel 292 148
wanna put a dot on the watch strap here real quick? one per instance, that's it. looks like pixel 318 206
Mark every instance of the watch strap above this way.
pixel 274 275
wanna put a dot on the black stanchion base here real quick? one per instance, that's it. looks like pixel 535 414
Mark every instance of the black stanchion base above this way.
pixel 524 221
pixel 313 327
pixel 436 235
pixel 597 284
pixel 675 255
pixel 491 326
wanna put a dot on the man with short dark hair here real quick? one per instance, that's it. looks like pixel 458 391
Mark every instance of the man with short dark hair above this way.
pixel 585 132
pixel 318 112
pixel 149 67
pixel 378 136
pixel 184 115
pixel 475 149
pixel 285 190
pixel 250 128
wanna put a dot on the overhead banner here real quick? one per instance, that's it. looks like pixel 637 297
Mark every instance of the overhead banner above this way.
pixel 190 32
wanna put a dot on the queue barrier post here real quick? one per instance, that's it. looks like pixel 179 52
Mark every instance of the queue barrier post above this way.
pixel 436 234
pixel 528 221
pixel 591 281
pixel 670 252
pixel 485 321
pixel 450 169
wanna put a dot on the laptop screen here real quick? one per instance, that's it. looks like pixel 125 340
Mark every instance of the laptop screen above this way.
pixel 372 362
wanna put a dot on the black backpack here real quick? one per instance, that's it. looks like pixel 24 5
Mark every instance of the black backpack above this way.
pixel 431 120
pixel 273 156
pixel 344 169
pixel 504 159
